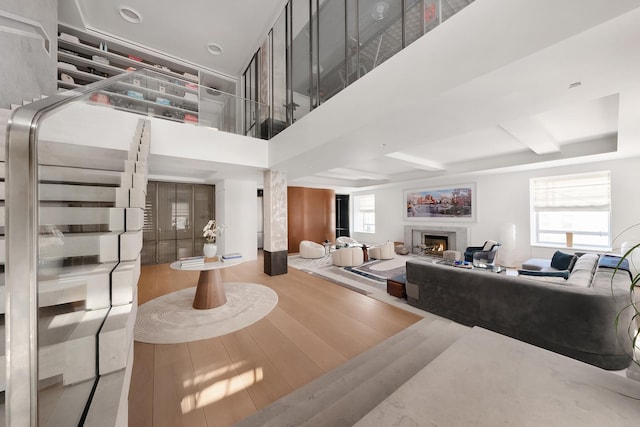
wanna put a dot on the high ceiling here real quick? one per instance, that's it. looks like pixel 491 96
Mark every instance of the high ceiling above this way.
pixel 501 85
pixel 183 29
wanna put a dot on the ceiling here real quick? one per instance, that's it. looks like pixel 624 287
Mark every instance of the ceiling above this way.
pixel 469 97
pixel 182 29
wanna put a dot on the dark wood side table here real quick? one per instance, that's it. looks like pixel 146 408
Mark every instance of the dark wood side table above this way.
pixel 365 253
pixel 210 289
pixel 396 286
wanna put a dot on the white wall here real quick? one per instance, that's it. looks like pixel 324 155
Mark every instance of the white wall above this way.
pixel 27 70
pixel 74 124
pixel 236 210
pixel 504 198
pixel 202 143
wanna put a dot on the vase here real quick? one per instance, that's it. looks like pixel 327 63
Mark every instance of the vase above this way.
pixel 209 250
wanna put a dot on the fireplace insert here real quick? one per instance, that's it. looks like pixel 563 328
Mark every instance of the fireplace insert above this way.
pixel 435 245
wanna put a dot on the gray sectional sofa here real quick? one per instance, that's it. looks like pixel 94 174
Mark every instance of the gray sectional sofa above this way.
pixel 574 317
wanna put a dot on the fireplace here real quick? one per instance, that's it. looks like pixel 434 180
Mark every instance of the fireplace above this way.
pixel 417 235
pixel 435 245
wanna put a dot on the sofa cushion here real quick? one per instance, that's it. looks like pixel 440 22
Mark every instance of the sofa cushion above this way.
pixel 562 273
pixel 580 278
pixel 586 262
pixel 563 261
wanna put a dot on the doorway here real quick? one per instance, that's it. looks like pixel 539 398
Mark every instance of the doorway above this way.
pixel 342 215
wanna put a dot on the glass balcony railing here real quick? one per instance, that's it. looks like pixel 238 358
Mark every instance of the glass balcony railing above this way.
pixel 154 94
pixel 317 49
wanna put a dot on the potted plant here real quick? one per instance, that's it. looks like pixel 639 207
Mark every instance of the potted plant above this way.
pixel 633 328
pixel 210 233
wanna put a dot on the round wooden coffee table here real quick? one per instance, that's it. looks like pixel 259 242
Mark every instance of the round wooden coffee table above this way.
pixel 210 289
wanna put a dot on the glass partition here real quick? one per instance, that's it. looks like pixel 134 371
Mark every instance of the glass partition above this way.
pixel 280 99
pixel 301 78
pixel 319 47
pixel 332 49
pixel 154 94
pixel 381 26
pixel 264 88
pixel 65 232
pixel 61 240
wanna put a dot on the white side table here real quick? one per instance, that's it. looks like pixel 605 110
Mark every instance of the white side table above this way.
pixel 210 289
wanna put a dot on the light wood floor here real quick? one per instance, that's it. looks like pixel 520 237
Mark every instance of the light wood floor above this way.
pixel 315 327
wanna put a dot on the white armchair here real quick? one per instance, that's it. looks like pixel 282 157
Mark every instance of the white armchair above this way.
pixel 382 251
pixel 309 249
pixel 345 240
pixel 348 257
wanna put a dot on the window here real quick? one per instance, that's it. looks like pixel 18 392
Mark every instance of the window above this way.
pixel 364 213
pixel 578 204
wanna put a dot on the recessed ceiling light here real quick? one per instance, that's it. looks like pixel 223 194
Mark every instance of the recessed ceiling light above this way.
pixel 130 15
pixel 214 49
pixel 574 84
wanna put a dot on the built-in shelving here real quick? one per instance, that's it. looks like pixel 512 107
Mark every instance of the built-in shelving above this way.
pixel 87 57
pixel 172 93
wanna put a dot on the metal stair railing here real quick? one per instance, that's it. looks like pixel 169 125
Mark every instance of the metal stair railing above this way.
pixel 24 359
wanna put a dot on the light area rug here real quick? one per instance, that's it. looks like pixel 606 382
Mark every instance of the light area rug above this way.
pixel 171 319
pixel 350 279
pixel 323 267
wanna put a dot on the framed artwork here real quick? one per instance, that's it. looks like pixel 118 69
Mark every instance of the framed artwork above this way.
pixel 454 202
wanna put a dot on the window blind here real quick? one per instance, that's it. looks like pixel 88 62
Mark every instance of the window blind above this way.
pixel 569 192
pixel 365 203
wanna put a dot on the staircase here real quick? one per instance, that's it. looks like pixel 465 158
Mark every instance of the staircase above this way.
pixel 346 394
pixel 90 241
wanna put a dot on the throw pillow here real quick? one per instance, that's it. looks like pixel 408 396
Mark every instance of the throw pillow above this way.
pixel 562 261
pixel 401 249
pixel 564 274
pixel 611 261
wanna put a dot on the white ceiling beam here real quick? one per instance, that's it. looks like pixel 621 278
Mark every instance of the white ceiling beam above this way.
pixel 417 162
pixel 351 174
pixel 532 134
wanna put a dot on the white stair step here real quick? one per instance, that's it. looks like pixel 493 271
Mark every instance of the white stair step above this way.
pixel 89 283
pixel 115 340
pixel 71 193
pixel 76 193
pixel 133 180
pixel 130 245
pixel 62 174
pixel 103 245
pixel 130 197
pixel 360 400
pixel 124 282
pixel 110 406
pixel 351 389
pixel 63 406
pixel 324 390
pixel 134 219
pixel 67 346
pixel 113 218
pixel 70 355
